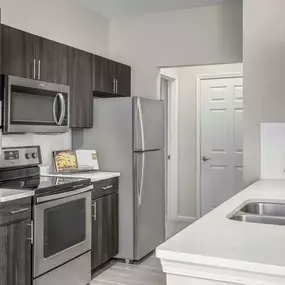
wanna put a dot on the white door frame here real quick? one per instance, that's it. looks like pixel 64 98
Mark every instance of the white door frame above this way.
pixel 199 79
pixel 172 190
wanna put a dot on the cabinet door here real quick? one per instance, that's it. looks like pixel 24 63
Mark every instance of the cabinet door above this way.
pixel 113 224
pixel 81 89
pixel 105 229
pixel 15 258
pixel 103 80
pixel 99 249
pixel 122 73
pixel 17 52
pixel 51 61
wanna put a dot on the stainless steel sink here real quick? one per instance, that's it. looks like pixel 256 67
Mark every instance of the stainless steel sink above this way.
pixel 265 209
pixel 262 213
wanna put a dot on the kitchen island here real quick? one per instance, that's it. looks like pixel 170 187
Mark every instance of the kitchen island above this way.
pixel 217 250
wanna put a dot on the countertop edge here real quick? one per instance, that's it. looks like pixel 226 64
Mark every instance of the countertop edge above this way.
pixel 219 263
pixel 108 175
pixel 16 197
pixel 113 175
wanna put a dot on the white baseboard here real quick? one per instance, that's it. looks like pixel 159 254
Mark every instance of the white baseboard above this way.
pixel 189 220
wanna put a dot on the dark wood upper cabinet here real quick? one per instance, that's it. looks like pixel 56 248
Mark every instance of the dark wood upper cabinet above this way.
pixel 51 61
pixel 122 74
pixel 80 80
pixel 17 52
pixel 16 252
pixel 30 56
pixel 103 79
pixel 110 78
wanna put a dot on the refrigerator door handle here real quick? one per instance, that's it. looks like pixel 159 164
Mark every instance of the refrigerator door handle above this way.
pixel 141 124
pixel 142 179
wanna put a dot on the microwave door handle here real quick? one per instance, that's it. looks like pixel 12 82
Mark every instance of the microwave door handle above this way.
pixel 54 107
pixel 62 106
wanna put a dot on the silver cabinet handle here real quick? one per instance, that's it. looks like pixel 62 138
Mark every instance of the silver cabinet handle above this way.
pixel 107 187
pixel 39 69
pixel 34 67
pixel 62 107
pixel 94 216
pixel 31 238
pixel 19 211
pixel 116 86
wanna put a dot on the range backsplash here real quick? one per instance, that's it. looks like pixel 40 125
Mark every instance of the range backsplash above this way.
pixel 48 143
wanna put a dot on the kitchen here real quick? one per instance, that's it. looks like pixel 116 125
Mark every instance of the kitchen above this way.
pixel 68 223
pixel 76 215
pixel 252 72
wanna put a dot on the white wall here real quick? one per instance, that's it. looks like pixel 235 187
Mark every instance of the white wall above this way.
pixel 272 151
pixel 187 132
pixel 198 36
pixel 63 22
pixel 264 73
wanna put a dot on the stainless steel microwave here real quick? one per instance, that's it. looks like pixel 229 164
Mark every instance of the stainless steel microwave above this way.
pixel 31 106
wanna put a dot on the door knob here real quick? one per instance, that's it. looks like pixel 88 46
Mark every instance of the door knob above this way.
pixel 205 158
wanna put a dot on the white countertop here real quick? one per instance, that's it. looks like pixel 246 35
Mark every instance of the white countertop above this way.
pixel 10 195
pixel 216 241
pixel 95 176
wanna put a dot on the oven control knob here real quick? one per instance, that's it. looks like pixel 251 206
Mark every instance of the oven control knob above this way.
pixel 34 155
pixel 28 156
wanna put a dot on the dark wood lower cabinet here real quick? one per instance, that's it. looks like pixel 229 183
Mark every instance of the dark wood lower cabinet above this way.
pixel 105 227
pixel 15 254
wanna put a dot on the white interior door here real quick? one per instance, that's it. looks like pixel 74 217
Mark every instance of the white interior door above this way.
pixel 221 140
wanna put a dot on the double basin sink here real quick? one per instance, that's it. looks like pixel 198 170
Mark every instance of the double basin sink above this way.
pixel 272 213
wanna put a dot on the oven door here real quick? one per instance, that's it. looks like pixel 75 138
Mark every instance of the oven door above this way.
pixel 62 229
pixel 32 106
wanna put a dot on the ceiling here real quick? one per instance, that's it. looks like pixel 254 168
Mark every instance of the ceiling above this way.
pixel 122 8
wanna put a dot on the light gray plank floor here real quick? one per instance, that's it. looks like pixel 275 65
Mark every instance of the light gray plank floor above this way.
pixel 146 272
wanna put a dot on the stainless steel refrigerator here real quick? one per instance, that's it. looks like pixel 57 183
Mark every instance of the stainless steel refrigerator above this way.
pixel 128 135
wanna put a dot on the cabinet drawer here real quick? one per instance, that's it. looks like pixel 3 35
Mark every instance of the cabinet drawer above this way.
pixel 15 211
pixel 105 187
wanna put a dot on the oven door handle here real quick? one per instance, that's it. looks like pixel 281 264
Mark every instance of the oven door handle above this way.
pixel 62 107
pixel 63 195
pixel 54 108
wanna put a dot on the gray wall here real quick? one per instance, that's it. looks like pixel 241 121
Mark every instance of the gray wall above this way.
pixel 207 35
pixel 264 75
pixel 63 21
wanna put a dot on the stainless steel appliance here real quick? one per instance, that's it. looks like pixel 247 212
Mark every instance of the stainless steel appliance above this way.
pixel 128 135
pixel 61 227
pixel 32 106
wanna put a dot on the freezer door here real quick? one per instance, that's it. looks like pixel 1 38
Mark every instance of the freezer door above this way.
pixel 149 202
pixel 148 124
